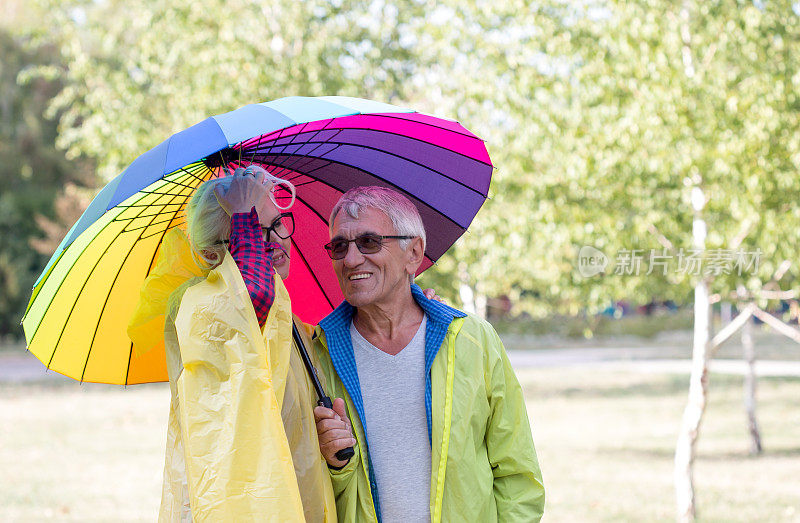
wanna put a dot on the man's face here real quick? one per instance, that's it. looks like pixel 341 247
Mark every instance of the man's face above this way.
pixel 367 279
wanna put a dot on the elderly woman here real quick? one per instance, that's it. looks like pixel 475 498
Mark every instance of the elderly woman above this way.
pixel 241 442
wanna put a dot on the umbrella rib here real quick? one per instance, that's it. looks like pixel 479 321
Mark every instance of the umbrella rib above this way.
pixel 174 224
pixel 72 308
pixel 174 177
pixel 403 158
pixel 260 142
pixel 383 131
pixel 390 154
pixel 158 208
pixel 179 184
pixel 222 165
pixel 151 224
pixel 257 146
pixel 339 189
pixel 261 139
pixel 291 142
pixel 302 128
pixel 155 193
pixel 362 146
pixel 295 167
pixel 197 166
pixel 434 209
pixel 108 295
pixel 152 259
pixel 52 297
pixel 257 149
pixel 128 366
pixel 302 184
pixel 63 328
pixel 278 134
pixel 391 115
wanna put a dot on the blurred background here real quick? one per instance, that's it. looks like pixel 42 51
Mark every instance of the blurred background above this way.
pixel 661 136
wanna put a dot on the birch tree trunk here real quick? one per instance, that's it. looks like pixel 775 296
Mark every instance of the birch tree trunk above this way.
pixel 698 382
pixel 725 313
pixel 749 354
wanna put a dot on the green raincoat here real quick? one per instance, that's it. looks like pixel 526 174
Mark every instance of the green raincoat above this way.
pixel 483 463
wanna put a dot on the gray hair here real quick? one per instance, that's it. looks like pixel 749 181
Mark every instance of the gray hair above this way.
pixel 404 214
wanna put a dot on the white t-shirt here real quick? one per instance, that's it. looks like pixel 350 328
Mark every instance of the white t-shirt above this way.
pixel 393 391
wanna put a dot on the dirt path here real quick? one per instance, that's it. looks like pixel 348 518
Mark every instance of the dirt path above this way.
pixel 20 367
pixel 641 359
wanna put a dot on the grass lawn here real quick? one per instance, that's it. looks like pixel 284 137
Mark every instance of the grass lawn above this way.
pixel 605 442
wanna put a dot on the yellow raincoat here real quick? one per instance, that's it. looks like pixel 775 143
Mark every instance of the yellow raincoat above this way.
pixel 241 441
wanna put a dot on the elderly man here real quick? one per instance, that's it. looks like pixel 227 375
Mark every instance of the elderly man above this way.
pixel 439 425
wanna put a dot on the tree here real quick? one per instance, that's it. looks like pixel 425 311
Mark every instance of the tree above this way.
pixel 32 172
pixel 670 127
pixel 649 130
pixel 644 127
pixel 132 81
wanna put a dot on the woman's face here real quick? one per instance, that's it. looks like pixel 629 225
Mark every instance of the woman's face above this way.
pixel 280 258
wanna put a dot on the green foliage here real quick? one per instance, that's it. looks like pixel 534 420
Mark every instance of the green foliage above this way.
pixel 32 172
pixel 610 118
pixel 599 116
pixel 596 327
pixel 133 80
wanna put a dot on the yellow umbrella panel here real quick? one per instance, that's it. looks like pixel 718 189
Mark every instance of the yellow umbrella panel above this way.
pixel 77 317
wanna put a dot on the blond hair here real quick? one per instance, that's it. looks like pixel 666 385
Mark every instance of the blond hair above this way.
pixel 207 222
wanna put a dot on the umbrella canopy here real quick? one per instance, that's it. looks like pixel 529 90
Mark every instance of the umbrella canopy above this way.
pixel 79 310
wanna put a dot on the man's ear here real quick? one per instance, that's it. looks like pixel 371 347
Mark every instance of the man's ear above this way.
pixel 414 256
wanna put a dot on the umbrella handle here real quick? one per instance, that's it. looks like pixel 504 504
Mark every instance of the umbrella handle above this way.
pixel 342 454
pixel 270 179
pixel 276 182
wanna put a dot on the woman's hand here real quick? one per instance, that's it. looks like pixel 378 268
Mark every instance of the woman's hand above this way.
pixel 431 295
pixel 247 190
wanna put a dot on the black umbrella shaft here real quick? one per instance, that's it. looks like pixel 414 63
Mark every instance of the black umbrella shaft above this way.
pixel 323 399
pixel 312 372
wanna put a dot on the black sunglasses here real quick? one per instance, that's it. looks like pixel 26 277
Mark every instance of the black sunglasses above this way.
pixel 282 226
pixel 366 243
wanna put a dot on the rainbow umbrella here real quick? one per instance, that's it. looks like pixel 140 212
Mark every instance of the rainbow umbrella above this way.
pixel 79 310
